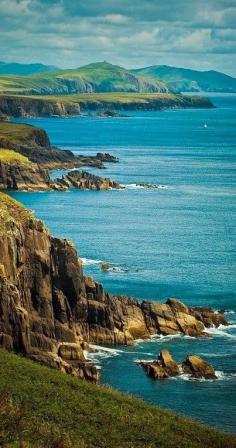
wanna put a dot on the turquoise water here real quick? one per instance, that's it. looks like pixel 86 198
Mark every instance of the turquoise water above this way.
pixel 177 240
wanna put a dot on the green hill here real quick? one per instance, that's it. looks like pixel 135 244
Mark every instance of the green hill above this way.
pixel 97 77
pixel 15 68
pixel 181 79
pixel 43 408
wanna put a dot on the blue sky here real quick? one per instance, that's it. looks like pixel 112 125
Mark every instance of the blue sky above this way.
pixel 198 34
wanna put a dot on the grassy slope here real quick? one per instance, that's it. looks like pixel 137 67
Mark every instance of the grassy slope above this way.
pixel 18 134
pixel 101 76
pixel 46 408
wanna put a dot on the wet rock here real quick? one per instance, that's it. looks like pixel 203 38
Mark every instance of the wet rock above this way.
pixel 83 181
pixel 164 367
pixel 198 367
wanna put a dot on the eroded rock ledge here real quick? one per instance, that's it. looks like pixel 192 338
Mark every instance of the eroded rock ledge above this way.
pixel 50 311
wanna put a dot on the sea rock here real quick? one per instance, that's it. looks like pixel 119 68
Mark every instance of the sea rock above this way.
pixel 164 367
pixel 198 367
pixel 83 181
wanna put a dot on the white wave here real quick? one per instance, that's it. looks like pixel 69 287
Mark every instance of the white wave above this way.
pixel 100 348
pixel 222 330
pixel 147 186
pixel 90 261
pixel 229 312
pixel 117 269
pixel 224 376
pixel 162 337
pixel 132 186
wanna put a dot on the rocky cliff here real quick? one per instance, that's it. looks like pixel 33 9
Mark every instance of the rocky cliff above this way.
pixel 32 177
pixel 102 103
pixel 19 106
pixel 34 143
pixel 50 311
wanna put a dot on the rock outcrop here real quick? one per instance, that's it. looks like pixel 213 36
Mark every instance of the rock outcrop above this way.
pixel 50 311
pixel 197 367
pixel 16 176
pixel 83 181
pixel 165 367
pixel 32 177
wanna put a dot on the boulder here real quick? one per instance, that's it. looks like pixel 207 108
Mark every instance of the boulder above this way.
pixel 198 367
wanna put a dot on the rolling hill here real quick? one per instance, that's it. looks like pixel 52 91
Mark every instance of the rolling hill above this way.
pixel 183 80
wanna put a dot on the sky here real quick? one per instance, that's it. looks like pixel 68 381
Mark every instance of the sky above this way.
pixel 198 34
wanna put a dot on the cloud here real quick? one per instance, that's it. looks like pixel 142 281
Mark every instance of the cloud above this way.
pixel 74 32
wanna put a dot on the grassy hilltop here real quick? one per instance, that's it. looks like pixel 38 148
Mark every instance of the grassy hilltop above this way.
pixel 43 408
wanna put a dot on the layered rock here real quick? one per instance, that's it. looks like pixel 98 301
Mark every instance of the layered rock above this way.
pixel 32 177
pixel 49 310
pixel 28 107
pixel 16 176
pixel 165 367
pixel 83 181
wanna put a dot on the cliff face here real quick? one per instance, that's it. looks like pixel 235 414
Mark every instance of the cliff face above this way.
pixel 14 176
pixel 50 311
pixel 14 106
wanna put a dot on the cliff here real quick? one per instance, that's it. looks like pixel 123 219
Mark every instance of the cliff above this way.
pixel 50 311
pixel 34 143
pixel 18 173
pixel 20 106
pixel 74 105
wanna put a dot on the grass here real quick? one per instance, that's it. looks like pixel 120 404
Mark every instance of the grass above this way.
pixel 8 156
pixel 18 135
pixel 45 408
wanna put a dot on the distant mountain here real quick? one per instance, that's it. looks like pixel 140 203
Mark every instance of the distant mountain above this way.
pixel 14 68
pixel 97 77
pixel 183 80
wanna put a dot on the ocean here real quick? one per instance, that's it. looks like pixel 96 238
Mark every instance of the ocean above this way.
pixel 176 240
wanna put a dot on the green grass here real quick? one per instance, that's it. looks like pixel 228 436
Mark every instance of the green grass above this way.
pixel 45 408
pixel 18 135
pixel 8 156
